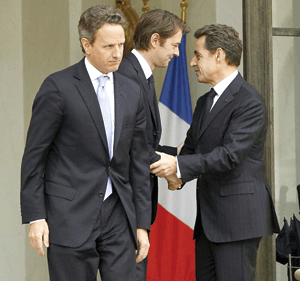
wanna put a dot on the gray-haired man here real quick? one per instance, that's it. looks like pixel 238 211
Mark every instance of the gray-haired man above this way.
pixel 85 169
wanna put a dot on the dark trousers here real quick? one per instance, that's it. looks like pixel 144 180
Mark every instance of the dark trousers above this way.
pixel 110 248
pixel 141 267
pixel 234 261
pixel 141 270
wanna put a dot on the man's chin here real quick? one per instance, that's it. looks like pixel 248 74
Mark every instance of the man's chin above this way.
pixel 114 68
pixel 164 65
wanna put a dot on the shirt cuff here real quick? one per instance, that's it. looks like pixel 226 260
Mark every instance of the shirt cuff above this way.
pixel 37 221
pixel 178 174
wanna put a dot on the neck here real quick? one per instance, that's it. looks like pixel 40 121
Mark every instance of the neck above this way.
pixel 147 55
pixel 224 73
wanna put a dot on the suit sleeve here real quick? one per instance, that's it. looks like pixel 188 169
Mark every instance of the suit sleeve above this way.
pixel 47 115
pixel 168 149
pixel 126 68
pixel 247 122
pixel 140 170
pixel 154 157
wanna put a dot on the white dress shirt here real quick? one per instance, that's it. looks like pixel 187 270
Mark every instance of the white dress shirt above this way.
pixel 94 73
pixel 222 86
pixel 144 64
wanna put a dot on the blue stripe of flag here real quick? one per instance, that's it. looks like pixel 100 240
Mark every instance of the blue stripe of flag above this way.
pixel 176 90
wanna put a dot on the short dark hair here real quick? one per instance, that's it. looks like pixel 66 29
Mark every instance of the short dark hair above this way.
pixel 224 37
pixel 95 17
pixel 158 21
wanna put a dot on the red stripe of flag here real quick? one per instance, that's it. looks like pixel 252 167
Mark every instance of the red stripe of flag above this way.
pixel 172 249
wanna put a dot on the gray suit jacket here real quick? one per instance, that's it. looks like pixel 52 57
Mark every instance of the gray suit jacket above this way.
pixel 226 155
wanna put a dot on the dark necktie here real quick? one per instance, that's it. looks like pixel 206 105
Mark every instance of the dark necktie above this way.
pixel 151 84
pixel 208 104
pixel 153 93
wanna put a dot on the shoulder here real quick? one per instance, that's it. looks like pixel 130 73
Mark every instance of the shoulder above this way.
pixel 244 92
pixel 251 94
pixel 128 64
pixel 68 74
pixel 128 85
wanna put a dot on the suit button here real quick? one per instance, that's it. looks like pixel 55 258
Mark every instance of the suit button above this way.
pixel 100 194
pixel 154 133
pixel 109 168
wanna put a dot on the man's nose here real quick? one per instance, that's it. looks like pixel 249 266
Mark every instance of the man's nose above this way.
pixel 192 63
pixel 118 52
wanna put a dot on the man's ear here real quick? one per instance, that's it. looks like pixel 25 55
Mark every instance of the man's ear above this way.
pixel 86 45
pixel 220 55
pixel 154 40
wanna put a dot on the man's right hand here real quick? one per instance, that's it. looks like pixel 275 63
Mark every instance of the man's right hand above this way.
pixel 39 235
pixel 173 182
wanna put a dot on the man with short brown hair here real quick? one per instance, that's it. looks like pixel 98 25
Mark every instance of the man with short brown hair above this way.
pixel 156 40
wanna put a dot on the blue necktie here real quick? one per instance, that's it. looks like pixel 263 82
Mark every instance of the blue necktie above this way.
pixel 107 119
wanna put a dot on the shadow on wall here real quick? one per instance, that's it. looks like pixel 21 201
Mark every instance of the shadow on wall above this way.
pixel 287 209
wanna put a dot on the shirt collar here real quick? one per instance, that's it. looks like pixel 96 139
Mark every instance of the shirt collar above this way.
pixel 221 86
pixel 94 73
pixel 144 64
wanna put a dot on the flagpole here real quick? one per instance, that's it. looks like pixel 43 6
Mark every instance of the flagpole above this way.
pixel 184 4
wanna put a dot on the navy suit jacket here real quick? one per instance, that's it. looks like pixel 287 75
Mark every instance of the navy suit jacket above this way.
pixel 225 154
pixel 66 162
pixel 131 68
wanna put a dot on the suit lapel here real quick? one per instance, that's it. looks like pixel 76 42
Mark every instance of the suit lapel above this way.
pixel 87 91
pixel 119 107
pixel 146 89
pixel 224 100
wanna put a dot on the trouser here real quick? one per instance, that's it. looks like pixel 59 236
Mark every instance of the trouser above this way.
pixel 234 261
pixel 110 248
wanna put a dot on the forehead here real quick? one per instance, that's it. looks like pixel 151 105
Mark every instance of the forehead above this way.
pixel 110 33
pixel 200 44
pixel 176 38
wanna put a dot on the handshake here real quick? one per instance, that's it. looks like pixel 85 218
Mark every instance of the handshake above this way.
pixel 166 168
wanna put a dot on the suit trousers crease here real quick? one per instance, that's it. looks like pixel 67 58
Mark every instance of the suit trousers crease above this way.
pixel 234 261
pixel 110 248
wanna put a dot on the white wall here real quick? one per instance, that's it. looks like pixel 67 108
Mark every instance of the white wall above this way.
pixel 286 56
pixel 12 246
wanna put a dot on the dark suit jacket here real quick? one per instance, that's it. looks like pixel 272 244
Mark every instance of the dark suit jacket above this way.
pixel 226 155
pixel 66 163
pixel 131 68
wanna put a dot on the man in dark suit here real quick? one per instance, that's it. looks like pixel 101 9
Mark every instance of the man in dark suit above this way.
pixel 156 40
pixel 85 168
pixel 224 150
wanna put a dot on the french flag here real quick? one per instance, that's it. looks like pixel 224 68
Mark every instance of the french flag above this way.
pixel 172 250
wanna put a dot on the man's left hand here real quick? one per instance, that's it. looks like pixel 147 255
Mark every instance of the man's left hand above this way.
pixel 165 167
pixel 143 244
